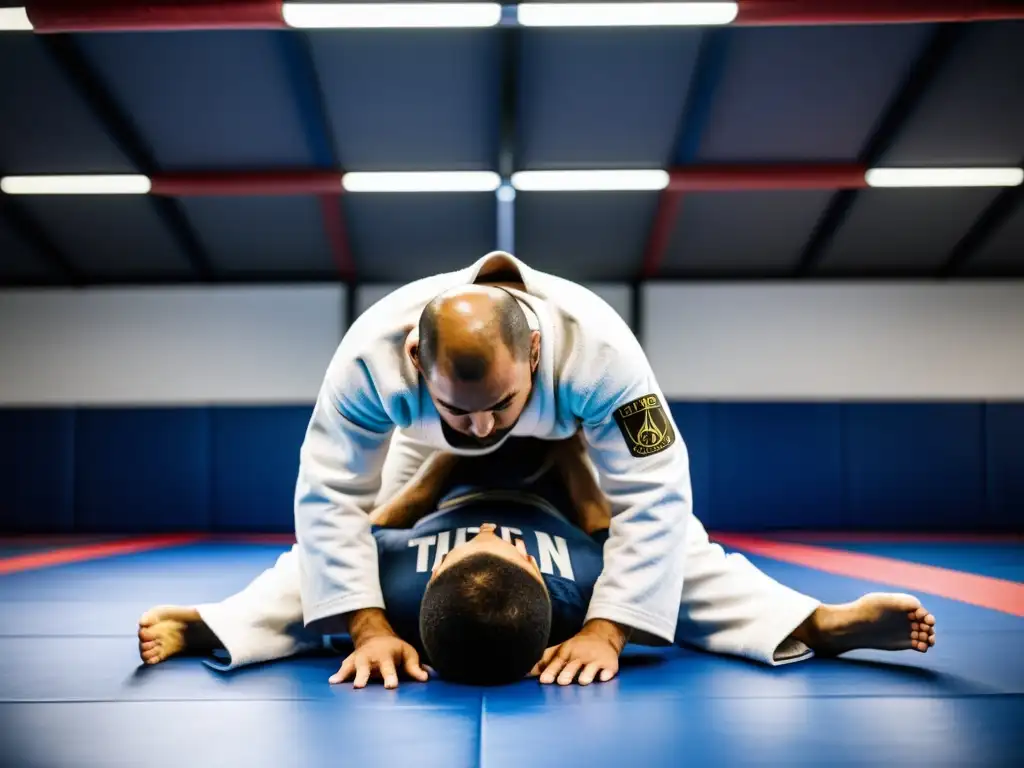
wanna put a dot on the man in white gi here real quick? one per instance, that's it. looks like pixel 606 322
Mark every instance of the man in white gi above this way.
pixel 458 363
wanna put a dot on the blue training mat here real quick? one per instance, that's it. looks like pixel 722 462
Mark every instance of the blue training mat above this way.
pixel 74 693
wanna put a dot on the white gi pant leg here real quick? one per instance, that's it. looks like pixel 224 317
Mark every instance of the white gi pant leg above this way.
pixel 730 607
pixel 264 621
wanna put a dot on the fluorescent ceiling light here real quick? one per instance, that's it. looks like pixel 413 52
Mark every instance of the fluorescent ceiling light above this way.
pixel 442 181
pixel 625 14
pixel 14 20
pixel 945 177
pixel 75 185
pixel 390 15
pixel 589 181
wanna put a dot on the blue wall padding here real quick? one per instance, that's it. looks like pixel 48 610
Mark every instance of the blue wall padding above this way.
pixel 775 466
pixel 754 467
pixel 256 457
pixel 37 470
pixel 143 469
pixel 1004 450
pixel 914 466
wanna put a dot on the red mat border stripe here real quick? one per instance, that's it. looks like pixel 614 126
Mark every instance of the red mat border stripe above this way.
pixel 983 591
pixel 85 552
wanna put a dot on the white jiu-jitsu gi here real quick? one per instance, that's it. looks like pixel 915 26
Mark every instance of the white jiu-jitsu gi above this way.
pixel 374 423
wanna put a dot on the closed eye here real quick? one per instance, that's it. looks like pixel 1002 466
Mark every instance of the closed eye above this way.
pixel 501 405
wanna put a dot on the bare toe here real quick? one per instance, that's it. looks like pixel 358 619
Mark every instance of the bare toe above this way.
pixel 147 634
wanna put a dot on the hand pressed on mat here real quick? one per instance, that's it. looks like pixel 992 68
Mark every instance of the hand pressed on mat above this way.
pixel 379 653
pixel 592 653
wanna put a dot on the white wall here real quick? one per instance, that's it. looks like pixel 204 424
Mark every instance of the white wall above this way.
pixel 705 341
pixel 167 346
pixel 618 296
pixel 855 341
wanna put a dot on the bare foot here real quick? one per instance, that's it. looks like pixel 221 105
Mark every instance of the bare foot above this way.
pixel 881 621
pixel 168 630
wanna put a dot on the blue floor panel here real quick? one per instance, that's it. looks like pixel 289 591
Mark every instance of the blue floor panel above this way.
pixel 223 734
pixel 74 694
pixel 807 731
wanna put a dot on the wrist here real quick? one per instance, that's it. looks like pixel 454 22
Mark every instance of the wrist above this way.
pixel 616 634
pixel 368 623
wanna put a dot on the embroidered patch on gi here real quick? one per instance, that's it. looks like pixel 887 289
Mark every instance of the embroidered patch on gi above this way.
pixel 645 426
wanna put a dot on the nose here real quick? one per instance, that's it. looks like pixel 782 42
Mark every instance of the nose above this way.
pixel 481 424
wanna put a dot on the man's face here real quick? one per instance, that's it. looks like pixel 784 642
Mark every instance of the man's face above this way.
pixel 479 414
pixel 489 542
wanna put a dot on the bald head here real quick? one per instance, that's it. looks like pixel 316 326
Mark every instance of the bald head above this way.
pixel 461 328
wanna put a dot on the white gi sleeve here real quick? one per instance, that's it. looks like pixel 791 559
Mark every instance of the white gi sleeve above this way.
pixel 643 467
pixel 338 481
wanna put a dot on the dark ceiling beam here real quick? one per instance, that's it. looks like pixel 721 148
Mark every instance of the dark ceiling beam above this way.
pixel 35 236
pixel 307 90
pixel 90 86
pixel 50 16
pixel 708 71
pixel 987 224
pixel 909 95
pixel 508 135
pixel 817 12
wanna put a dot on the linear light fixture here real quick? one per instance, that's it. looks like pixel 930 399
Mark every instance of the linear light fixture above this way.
pixel 944 177
pixel 76 185
pixel 428 181
pixel 625 14
pixel 590 181
pixel 390 15
pixel 14 20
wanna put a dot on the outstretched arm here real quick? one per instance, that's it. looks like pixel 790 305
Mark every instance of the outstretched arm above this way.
pixel 590 505
pixel 419 496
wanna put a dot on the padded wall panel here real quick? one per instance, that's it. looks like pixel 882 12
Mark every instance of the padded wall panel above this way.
pixel 1004 451
pixel 142 470
pixel 36 470
pixel 914 466
pixel 694 423
pixel 776 466
pixel 255 454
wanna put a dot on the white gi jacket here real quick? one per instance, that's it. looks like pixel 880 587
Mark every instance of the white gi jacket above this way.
pixel 592 373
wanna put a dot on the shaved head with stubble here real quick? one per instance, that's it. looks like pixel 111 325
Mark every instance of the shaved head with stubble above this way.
pixel 477 354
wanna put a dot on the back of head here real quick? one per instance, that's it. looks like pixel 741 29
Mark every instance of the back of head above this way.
pixel 484 621
pixel 460 327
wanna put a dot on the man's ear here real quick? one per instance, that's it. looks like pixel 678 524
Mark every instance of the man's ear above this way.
pixel 414 355
pixel 534 350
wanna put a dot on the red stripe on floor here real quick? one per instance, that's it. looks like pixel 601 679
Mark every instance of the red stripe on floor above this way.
pixel 862 537
pixel 93 552
pixel 984 591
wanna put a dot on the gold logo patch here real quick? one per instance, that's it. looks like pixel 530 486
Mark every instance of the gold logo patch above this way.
pixel 645 425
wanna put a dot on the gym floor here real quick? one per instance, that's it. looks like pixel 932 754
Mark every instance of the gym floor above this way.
pixel 74 693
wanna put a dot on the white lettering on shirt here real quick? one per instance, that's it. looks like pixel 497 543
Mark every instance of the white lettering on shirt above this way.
pixel 554 553
pixel 424 543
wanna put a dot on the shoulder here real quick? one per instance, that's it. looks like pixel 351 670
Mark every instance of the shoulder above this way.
pixel 370 369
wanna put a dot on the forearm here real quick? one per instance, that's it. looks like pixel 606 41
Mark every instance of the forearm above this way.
pixel 591 506
pixel 367 624
pixel 616 634
pixel 418 497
